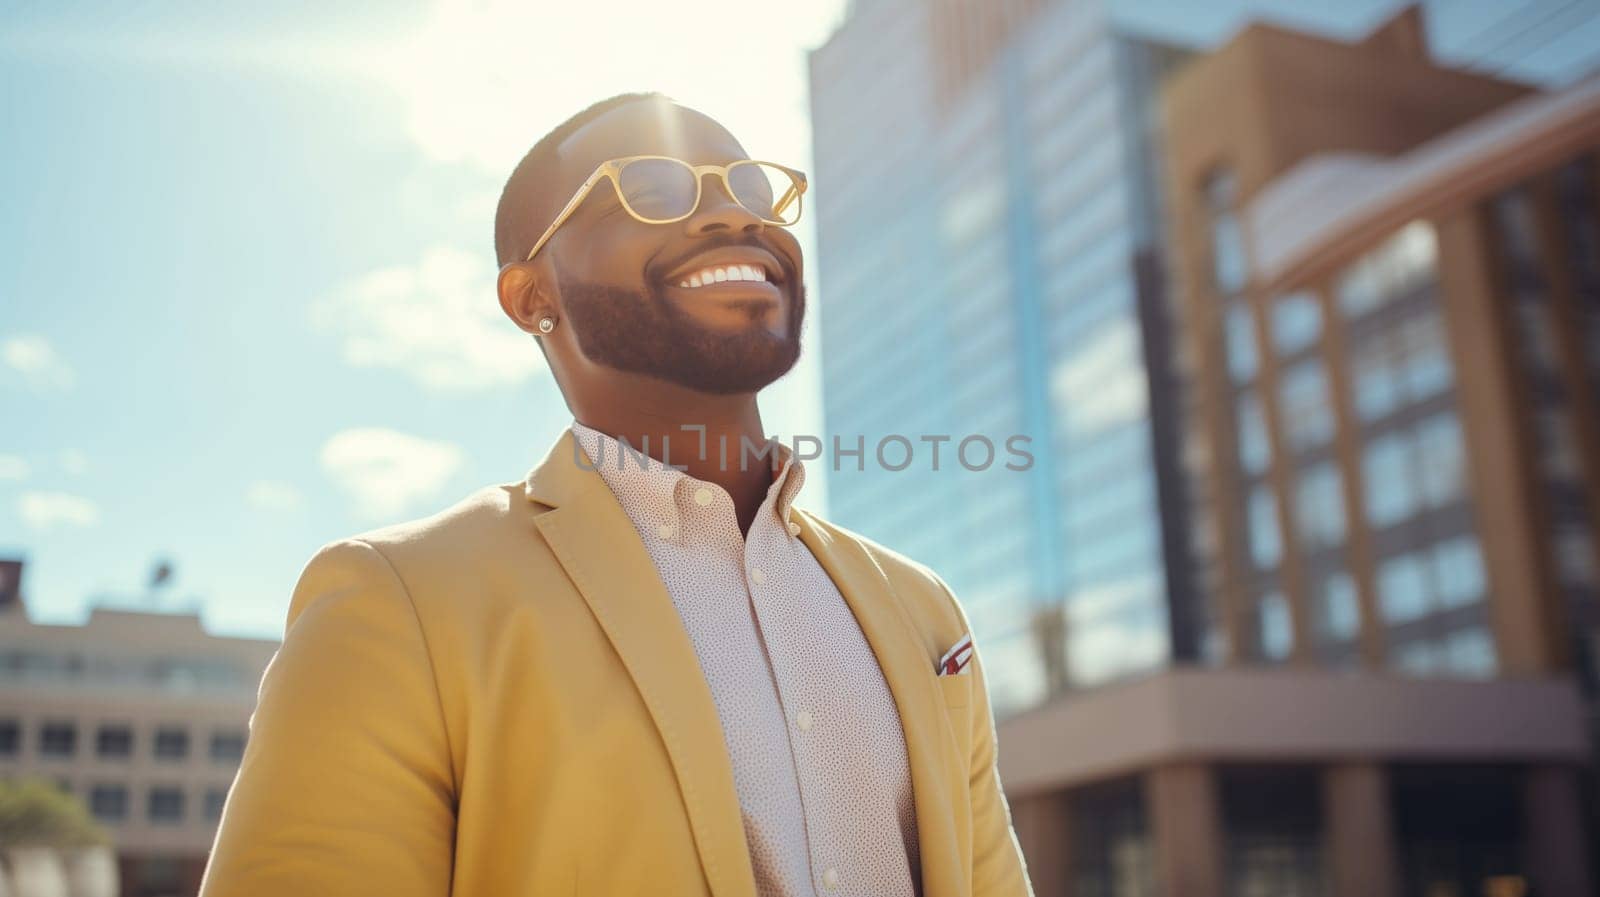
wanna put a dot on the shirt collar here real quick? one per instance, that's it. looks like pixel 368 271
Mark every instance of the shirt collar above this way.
pixel 655 495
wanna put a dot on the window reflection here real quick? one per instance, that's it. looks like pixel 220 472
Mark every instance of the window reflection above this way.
pixel 1410 470
pixel 1401 365
pixel 1441 577
pixel 1398 266
pixel 1307 413
pixel 1458 571
pixel 1241 339
pixel 1266 542
pixel 1404 591
pixel 1319 506
pixel 1274 628
pixel 1339 614
pixel 1468 652
pixel 1296 322
pixel 1255 451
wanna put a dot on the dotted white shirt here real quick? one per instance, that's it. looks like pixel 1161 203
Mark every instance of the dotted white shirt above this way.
pixel 818 754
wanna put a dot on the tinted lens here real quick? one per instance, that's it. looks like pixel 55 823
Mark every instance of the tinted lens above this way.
pixel 660 189
pixel 767 190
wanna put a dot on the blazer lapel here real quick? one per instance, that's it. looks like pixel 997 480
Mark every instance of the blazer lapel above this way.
pixel 892 634
pixel 600 551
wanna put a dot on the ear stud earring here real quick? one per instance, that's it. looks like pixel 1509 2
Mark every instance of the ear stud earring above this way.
pixel 547 324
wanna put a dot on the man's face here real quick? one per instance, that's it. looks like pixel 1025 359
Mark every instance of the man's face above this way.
pixel 621 280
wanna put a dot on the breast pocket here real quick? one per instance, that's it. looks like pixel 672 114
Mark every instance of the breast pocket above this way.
pixel 957 691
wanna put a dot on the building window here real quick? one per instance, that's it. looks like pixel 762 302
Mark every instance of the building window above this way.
pixel 1404 592
pixel 1440 465
pixel 109 803
pixel 1576 563
pixel 1240 332
pixel 227 747
pixel 1397 267
pixel 1513 215
pixel 1273 819
pixel 1470 653
pixel 1255 452
pixel 1319 506
pixel 1401 365
pixel 1275 627
pixel 216 799
pixel 58 739
pixel 1415 658
pixel 1266 543
pixel 1408 470
pixel 1296 322
pixel 165 805
pixel 115 741
pixel 10 737
pixel 172 744
pixel 1228 268
pixel 1340 611
pixel 1307 414
pixel 1113 852
pixel 1390 491
pixel 1458 571
pixel 1467 653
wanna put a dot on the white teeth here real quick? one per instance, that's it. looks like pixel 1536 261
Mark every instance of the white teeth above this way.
pixel 725 273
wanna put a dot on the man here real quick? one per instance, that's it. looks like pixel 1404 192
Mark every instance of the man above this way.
pixel 628 674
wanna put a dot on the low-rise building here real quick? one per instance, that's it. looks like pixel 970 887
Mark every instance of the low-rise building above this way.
pixel 143 716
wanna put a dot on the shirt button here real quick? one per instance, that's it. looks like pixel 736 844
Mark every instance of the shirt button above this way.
pixel 794 528
pixel 666 530
pixel 830 878
pixel 758 574
pixel 702 497
pixel 803 720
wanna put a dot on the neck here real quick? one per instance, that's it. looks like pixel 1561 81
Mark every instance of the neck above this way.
pixel 702 434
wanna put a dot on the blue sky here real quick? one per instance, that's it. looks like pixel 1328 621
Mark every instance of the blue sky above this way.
pixel 246 278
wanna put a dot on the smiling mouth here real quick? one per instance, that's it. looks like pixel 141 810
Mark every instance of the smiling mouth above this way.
pixel 717 274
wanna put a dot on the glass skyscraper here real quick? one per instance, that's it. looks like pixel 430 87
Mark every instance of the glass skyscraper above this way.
pixel 988 218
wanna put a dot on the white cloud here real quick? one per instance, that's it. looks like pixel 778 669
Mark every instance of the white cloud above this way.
pixel 74 461
pixel 387 471
pixel 437 320
pixel 46 510
pixel 269 495
pixel 14 467
pixel 36 360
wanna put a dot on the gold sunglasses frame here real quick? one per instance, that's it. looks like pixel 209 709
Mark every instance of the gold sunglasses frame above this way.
pixel 611 170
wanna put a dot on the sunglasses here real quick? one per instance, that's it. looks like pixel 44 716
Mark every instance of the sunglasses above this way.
pixel 662 190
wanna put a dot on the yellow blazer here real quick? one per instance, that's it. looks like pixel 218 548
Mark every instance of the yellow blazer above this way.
pixel 501 700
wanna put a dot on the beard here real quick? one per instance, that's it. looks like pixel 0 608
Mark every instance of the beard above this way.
pixel 642 333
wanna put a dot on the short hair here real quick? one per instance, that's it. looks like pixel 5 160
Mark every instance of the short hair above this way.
pixel 518 220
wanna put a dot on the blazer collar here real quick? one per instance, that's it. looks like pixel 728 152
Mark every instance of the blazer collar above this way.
pixel 596 544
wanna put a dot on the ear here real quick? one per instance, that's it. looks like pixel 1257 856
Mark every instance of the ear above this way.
pixel 524 294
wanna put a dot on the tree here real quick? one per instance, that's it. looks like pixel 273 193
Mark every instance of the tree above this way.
pixel 37 814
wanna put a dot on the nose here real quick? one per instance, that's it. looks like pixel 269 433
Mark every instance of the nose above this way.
pixel 719 211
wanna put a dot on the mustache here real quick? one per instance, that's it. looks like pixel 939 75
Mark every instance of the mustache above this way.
pixel 724 241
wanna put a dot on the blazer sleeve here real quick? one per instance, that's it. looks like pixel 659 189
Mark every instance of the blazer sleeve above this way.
pixel 346 785
pixel 998 869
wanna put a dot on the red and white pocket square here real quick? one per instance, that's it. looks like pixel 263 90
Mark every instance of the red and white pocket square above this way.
pixel 954 662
